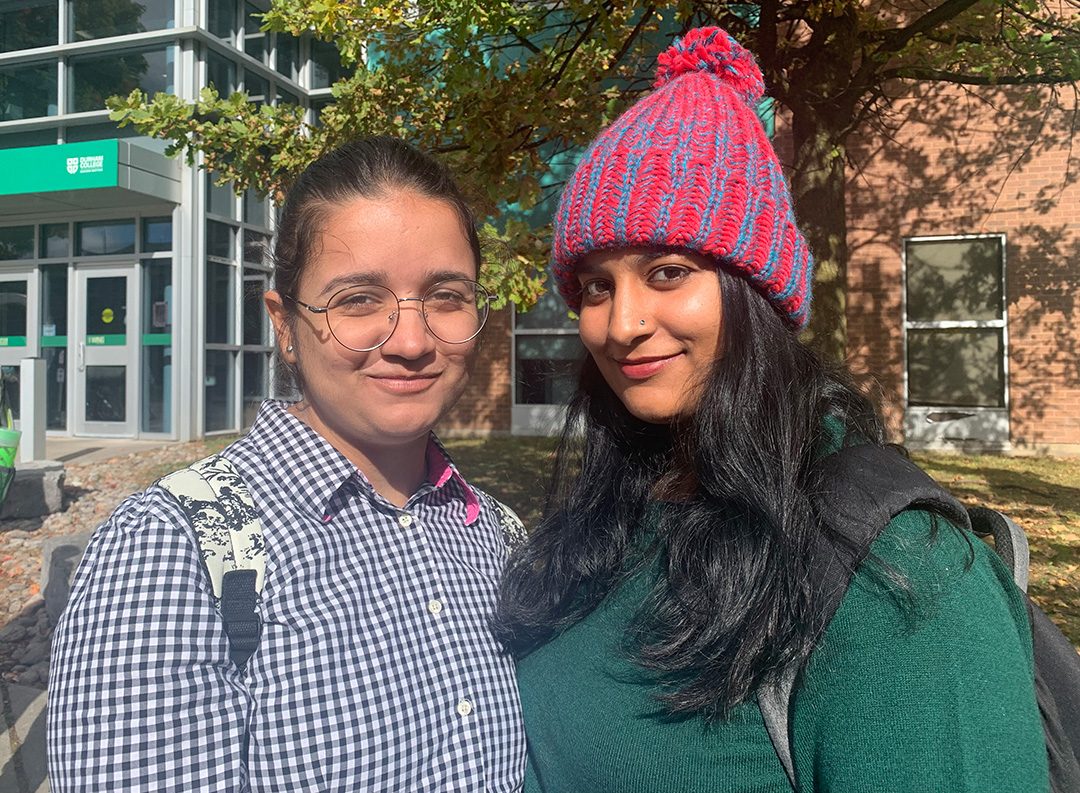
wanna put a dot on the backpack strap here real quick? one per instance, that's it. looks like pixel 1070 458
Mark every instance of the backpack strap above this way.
pixel 1010 542
pixel 856 492
pixel 226 524
pixel 513 530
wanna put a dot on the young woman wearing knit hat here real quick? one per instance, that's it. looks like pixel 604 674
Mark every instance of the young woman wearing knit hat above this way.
pixel 673 581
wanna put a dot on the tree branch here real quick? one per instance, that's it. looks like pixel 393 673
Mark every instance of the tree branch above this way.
pixel 943 75
pixel 896 40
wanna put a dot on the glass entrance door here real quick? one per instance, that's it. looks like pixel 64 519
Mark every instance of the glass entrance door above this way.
pixel 16 320
pixel 106 394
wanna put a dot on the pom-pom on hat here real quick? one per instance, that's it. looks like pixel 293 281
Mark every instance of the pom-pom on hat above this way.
pixel 689 166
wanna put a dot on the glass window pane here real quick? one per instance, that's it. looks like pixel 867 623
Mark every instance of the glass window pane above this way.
pixel 220 199
pixel 94 19
pixel 256 87
pixel 288 56
pixel 218 388
pixel 956 368
pixel 28 23
pixel 255 384
pixel 106 238
pixel 954 279
pixel 255 319
pixel 54 296
pixel 219 303
pixel 107 129
pixel 37 137
pixel 549 312
pixel 256 47
pixel 318 104
pixel 254 208
pixel 219 239
pixel 28 91
pixel 256 43
pixel 547 368
pixel 221 18
pixel 13 312
pixel 157 297
pixel 54 240
pixel 284 97
pixel 220 73
pixel 94 78
pixel 17 242
pixel 106 305
pixel 256 248
pixel 156 391
pixel 55 387
pixel 106 393
pixel 326 65
pixel 157 235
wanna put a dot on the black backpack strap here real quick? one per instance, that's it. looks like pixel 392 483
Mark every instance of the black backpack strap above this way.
pixel 856 492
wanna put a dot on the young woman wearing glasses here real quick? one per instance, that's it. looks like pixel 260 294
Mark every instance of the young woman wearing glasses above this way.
pixel 375 669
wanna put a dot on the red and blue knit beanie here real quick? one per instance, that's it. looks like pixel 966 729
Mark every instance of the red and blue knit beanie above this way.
pixel 689 166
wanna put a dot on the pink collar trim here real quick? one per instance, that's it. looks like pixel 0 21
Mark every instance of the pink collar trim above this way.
pixel 440 471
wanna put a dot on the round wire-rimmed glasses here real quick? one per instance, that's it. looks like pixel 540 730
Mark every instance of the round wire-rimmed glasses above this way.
pixel 364 317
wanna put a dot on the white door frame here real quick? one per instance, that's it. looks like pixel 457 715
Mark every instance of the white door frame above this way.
pixel 105 349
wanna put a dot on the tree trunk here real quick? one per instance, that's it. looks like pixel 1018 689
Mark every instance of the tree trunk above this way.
pixel 818 187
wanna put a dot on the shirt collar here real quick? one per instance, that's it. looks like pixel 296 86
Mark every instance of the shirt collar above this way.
pixel 441 470
pixel 297 455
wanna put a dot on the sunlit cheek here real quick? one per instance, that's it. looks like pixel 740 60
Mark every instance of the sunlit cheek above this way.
pixel 592 327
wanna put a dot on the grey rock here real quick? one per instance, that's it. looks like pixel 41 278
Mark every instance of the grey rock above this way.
pixel 34 653
pixel 60 558
pixel 38 489
pixel 13 632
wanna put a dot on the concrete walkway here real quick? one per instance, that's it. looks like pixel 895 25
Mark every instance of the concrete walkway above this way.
pixel 90 450
pixel 22 739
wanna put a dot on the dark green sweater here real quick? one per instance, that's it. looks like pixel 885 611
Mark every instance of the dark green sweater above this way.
pixel 936 699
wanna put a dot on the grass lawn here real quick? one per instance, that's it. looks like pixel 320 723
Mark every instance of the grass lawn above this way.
pixel 1041 494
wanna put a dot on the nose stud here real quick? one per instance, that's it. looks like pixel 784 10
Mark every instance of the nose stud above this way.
pixel 642 323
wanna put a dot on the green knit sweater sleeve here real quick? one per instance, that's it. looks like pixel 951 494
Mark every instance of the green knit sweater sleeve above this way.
pixel 932 692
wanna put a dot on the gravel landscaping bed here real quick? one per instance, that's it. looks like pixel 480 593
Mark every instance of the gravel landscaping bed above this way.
pixel 91 492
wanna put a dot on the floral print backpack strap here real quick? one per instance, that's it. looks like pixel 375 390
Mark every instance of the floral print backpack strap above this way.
pixel 223 516
pixel 513 530
pixel 217 502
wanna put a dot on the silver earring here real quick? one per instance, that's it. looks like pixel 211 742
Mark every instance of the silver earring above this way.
pixel 289 348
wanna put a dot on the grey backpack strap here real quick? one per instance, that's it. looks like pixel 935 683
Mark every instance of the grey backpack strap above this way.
pixel 513 530
pixel 227 528
pixel 1010 542
pixel 775 704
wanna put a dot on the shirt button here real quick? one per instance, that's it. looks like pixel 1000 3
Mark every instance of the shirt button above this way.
pixel 464 708
pixel 434 606
pixel 405 520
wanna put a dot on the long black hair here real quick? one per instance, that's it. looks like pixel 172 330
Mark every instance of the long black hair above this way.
pixel 734 605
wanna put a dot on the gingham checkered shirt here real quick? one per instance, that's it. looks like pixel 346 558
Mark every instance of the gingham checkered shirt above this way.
pixel 375 670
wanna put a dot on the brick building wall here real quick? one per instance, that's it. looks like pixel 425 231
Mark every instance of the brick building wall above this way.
pixel 970 161
pixel 484 409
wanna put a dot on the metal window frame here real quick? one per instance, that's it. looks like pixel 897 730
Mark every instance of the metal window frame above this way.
pixel 525 418
pixel 1002 324
pixel 86 263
